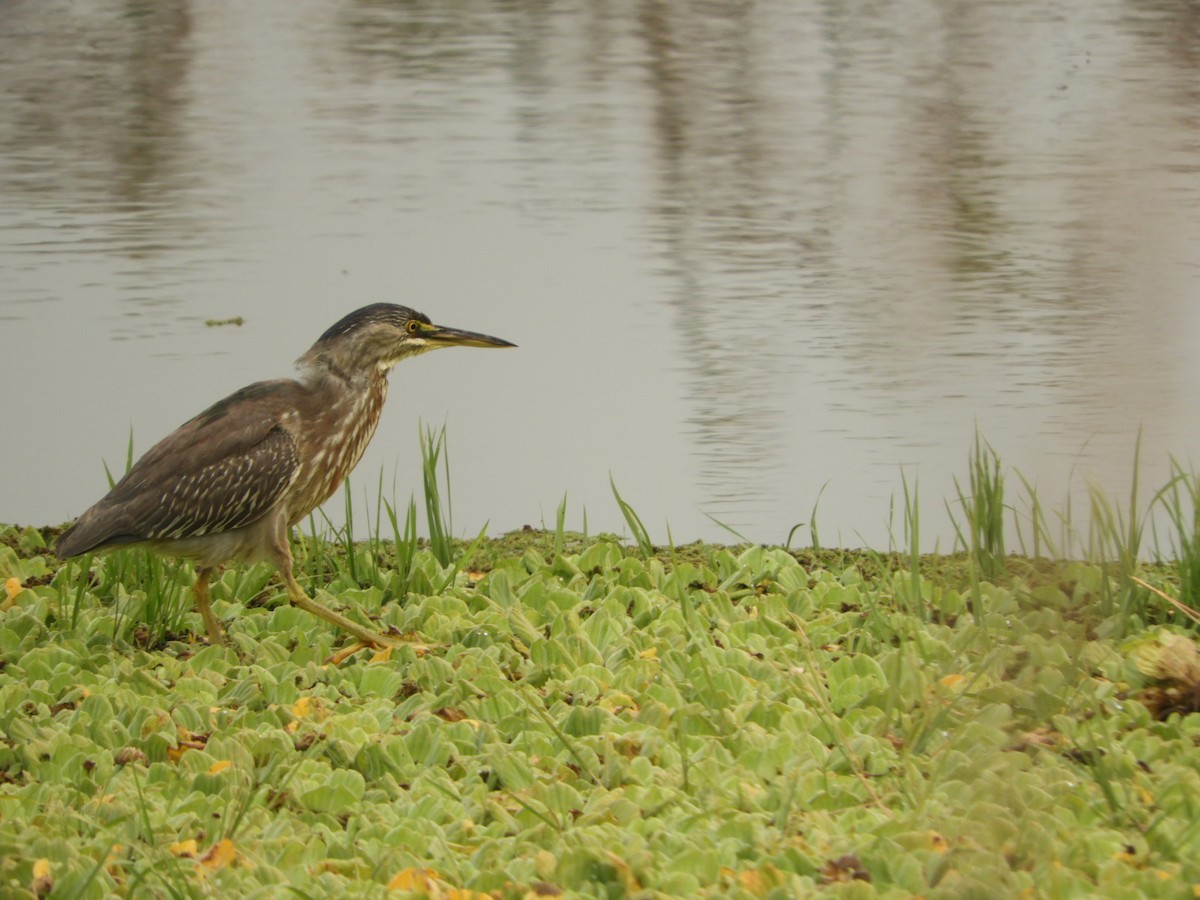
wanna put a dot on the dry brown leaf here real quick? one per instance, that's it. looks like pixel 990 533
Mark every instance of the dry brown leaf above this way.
pixel 1172 657
pixel 844 869
pixel 1042 738
pixel 127 755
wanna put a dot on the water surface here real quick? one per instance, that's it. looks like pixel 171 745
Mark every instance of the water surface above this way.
pixel 750 252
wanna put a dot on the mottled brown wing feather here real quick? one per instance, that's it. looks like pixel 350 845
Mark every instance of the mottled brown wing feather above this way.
pixel 223 495
pixel 221 470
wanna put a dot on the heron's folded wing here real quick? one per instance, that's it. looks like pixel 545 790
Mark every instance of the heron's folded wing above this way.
pixel 221 470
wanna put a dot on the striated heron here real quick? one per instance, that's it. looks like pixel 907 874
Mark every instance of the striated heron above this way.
pixel 229 484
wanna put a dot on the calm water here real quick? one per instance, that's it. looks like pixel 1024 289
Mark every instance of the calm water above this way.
pixel 750 251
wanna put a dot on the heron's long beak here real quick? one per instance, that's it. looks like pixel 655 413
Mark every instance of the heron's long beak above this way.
pixel 456 337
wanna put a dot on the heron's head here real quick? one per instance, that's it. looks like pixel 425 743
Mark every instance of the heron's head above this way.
pixel 376 337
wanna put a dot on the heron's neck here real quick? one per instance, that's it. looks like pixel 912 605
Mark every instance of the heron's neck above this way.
pixel 323 370
pixel 342 416
pixel 358 396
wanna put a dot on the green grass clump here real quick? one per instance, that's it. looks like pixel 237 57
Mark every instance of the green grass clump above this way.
pixel 982 504
pixel 701 722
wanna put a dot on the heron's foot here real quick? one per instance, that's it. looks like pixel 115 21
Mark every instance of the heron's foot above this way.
pixel 217 635
pixel 339 657
pixel 364 636
pixel 382 649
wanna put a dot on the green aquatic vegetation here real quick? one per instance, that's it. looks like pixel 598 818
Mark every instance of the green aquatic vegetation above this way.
pixel 601 717
pixel 596 720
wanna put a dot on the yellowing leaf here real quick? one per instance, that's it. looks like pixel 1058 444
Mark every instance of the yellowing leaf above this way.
pixel 953 681
pixel 617 701
pixel 193 740
pixel 544 863
pixel 221 854
pixel 219 766
pixel 649 653
pixel 625 875
pixel 752 881
pixel 184 848
pixel 310 708
pixel 112 862
pixel 414 879
pixel 182 748
pixel 42 884
pixel 12 587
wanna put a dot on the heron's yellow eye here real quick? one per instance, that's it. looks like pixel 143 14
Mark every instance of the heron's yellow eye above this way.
pixel 413 326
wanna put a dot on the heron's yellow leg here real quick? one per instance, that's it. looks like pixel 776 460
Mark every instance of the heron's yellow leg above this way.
pixel 216 634
pixel 362 634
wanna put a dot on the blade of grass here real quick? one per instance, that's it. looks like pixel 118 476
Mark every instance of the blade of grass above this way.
pixel 570 746
pixel 912 539
pixel 1182 607
pixel 737 534
pixel 1180 498
pixel 636 527
pixel 437 517
pixel 405 540
pixel 1039 528
pixel 560 523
